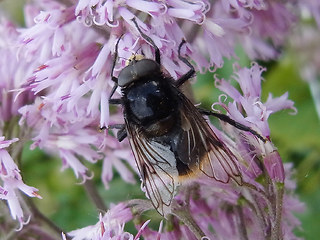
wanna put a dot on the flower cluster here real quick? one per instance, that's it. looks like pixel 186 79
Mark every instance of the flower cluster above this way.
pixel 12 181
pixel 110 226
pixel 12 72
pixel 56 81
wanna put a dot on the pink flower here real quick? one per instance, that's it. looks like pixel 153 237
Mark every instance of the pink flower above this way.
pixel 114 152
pixel 12 181
pixel 12 72
pixel 272 23
pixel 63 133
pixel 62 82
pixel 110 226
pixel 249 99
pixel 256 4
pixel 47 30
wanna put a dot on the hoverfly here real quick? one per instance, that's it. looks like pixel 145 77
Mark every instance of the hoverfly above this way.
pixel 170 139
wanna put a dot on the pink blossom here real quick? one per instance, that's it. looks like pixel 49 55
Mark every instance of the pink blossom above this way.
pixel 12 181
pixel 257 113
pixel 60 84
pixel 187 10
pixel 114 153
pixel 12 72
pixel 110 226
pixel 65 135
pixel 256 4
pixel 47 30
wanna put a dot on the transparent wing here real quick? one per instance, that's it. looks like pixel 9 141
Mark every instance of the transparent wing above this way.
pixel 203 150
pixel 157 166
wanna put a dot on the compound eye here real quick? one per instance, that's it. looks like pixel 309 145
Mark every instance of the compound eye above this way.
pixel 136 70
pixel 126 76
pixel 145 67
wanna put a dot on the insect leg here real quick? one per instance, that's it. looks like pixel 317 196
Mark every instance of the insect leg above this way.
pixel 113 78
pixel 156 49
pixel 232 122
pixel 122 133
pixel 115 101
pixel 190 73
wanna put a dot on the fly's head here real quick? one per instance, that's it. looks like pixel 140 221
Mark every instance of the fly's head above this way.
pixel 137 67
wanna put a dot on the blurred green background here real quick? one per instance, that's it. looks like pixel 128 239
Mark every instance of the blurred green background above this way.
pixel 296 136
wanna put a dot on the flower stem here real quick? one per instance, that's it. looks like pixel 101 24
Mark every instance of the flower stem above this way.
pixel 94 195
pixel 182 212
pixel 259 214
pixel 139 206
pixel 276 232
pixel 262 194
pixel 38 215
pixel 242 228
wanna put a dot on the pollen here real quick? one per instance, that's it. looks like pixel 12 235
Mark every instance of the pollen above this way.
pixel 134 58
